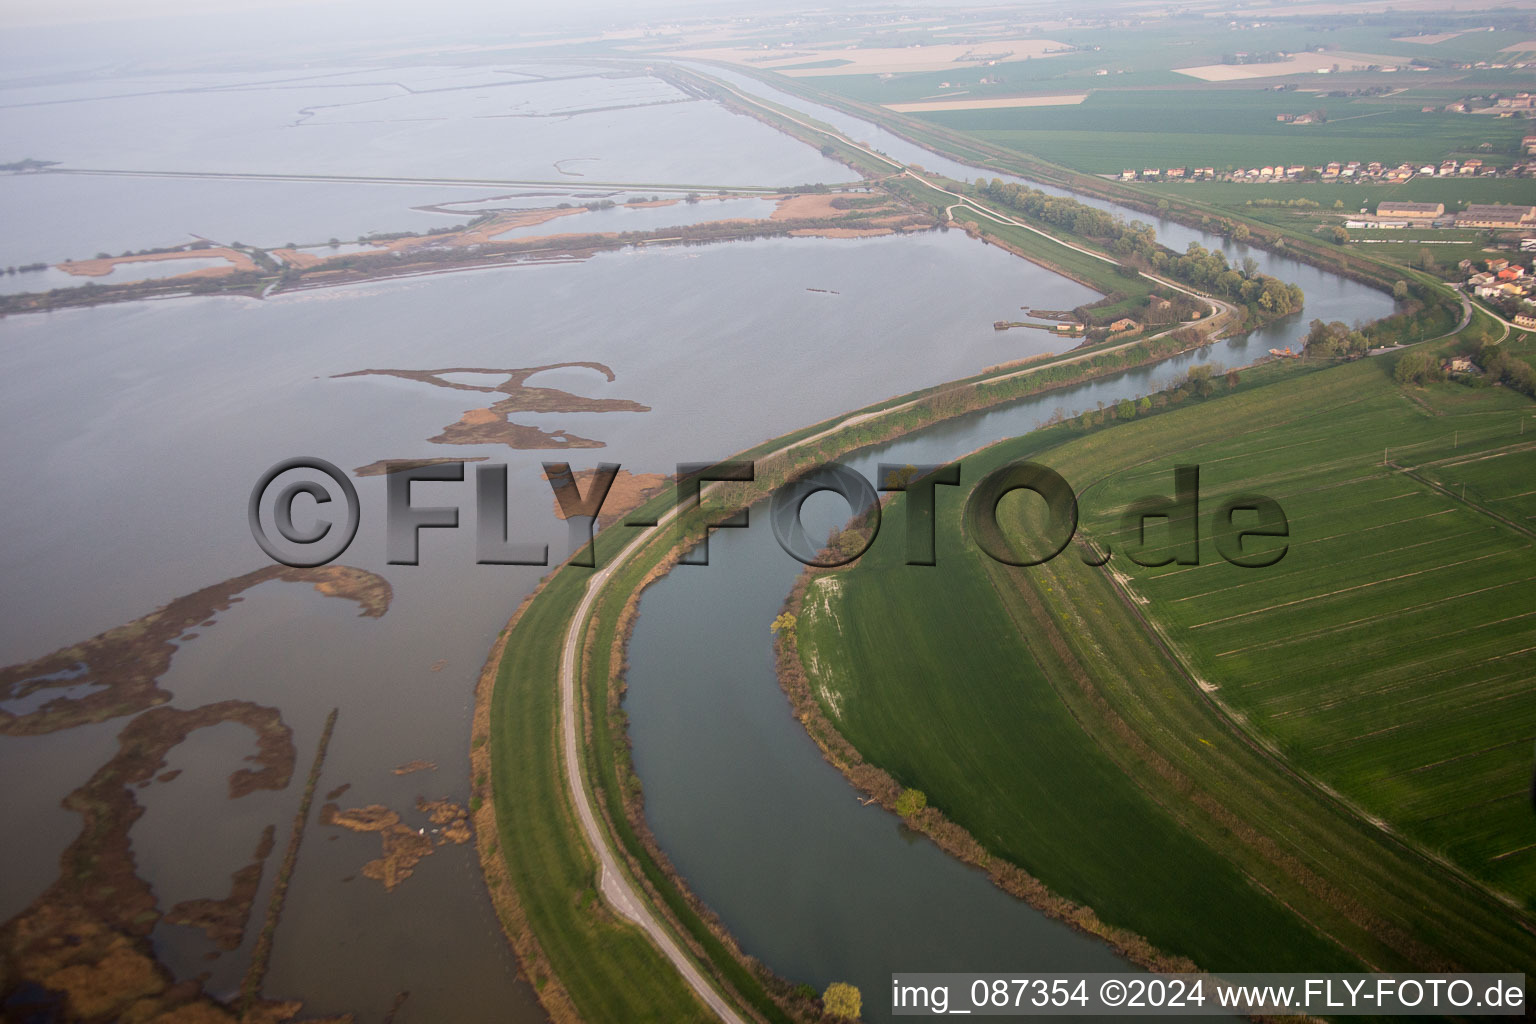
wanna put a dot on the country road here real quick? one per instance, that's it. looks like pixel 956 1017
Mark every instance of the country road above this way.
pixel 616 887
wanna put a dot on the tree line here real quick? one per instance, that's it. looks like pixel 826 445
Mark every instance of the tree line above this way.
pixel 1206 269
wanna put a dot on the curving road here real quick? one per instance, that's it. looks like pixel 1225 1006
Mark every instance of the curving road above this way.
pixel 615 886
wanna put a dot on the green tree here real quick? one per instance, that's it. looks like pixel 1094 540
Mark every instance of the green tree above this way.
pixel 785 624
pixel 1400 291
pixel 911 802
pixel 1339 235
pixel 843 1000
pixel 1124 410
pixel 1417 367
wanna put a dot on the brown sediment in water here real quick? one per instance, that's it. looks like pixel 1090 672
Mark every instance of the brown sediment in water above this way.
pixel 628 492
pixel 386 466
pixel 125 663
pixel 489 426
pixel 415 766
pixel 261 954
pixel 86 938
pixel 224 921
pixel 403 847
pixel 492 426
pixel 840 232
pixel 102 267
pixel 806 206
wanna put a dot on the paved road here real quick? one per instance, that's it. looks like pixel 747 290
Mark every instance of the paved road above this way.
pixel 615 885
pixel 1466 314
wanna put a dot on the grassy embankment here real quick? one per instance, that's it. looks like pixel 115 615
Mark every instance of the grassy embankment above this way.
pixel 584 962
pixel 581 958
pixel 1119 737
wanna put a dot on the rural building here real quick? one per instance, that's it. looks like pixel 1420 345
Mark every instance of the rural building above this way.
pixel 1526 321
pixel 1124 324
pixel 1458 364
pixel 1416 212
pixel 1496 215
pixel 1497 264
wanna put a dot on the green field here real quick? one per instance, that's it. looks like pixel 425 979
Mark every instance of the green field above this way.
pixel 1388 654
pixel 1386 658
pixel 960 709
pixel 1455 193
pixel 1229 128
pixel 1147 54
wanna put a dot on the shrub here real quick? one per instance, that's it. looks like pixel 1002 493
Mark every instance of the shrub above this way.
pixel 911 802
pixel 842 1000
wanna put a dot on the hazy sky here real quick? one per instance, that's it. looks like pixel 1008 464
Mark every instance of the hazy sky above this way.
pixel 57 12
